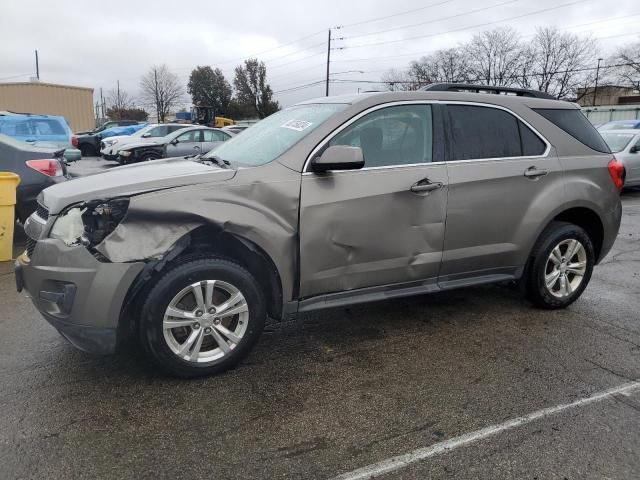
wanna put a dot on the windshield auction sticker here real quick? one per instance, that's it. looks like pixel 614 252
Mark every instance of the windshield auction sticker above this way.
pixel 297 125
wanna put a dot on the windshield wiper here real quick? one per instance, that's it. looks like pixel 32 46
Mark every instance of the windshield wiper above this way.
pixel 221 162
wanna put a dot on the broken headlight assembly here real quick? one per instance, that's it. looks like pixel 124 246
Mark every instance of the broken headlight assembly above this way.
pixel 90 222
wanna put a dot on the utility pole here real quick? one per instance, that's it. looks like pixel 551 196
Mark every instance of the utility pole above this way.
pixel 155 77
pixel 102 102
pixel 595 89
pixel 328 62
pixel 37 67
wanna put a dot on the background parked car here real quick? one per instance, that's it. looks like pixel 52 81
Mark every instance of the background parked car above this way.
pixel 625 144
pixel 620 125
pixel 188 141
pixel 110 124
pixel 235 129
pixel 89 144
pixel 109 146
pixel 38 168
pixel 48 131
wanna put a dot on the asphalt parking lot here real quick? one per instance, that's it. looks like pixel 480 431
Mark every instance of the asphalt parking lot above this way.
pixel 348 388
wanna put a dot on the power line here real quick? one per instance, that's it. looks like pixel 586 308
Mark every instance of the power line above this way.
pixel 393 15
pixel 301 87
pixel 16 76
pixel 509 77
pixel 413 25
pixel 536 12
pixel 422 53
pixel 271 49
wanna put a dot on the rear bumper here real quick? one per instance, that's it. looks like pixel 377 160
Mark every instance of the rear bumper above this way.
pixel 611 229
pixel 72 154
pixel 77 294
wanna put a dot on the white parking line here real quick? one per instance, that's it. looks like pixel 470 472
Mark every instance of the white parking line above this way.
pixel 402 461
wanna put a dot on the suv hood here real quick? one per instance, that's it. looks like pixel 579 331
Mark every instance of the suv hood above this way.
pixel 133 179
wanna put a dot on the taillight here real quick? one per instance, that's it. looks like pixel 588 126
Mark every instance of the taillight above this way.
pixel 50 168
pixel 617 172
pixel 74 141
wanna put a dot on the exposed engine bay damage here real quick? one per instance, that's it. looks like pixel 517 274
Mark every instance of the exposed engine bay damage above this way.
pixel 263 212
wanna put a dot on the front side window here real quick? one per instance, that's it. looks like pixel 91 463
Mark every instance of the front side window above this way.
pixel 398 135
pixel 269 138
pixel 476 132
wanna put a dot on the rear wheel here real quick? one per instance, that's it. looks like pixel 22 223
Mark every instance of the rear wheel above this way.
pixel 202 317
pixel 561 266
pixel 87 150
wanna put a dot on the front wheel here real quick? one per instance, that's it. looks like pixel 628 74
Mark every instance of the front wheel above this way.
pixel 202 317
pixel 561 266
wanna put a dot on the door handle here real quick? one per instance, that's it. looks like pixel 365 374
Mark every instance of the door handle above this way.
pixel 533 172
pixel 196 147
pixel 425 186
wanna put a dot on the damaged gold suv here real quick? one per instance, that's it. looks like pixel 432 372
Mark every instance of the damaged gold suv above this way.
pixel 328 203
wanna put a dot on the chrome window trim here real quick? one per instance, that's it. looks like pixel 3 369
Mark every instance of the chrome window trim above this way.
pixel 345 125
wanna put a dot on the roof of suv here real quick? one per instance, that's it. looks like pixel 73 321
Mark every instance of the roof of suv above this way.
pixel 384 97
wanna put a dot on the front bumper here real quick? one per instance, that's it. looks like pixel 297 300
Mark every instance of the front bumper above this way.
pixel 77 294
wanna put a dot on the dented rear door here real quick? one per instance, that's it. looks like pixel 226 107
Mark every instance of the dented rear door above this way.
pixel 383 224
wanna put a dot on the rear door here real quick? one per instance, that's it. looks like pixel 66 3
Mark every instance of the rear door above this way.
pixel 504 179
pixel 189 143
pixel 383 224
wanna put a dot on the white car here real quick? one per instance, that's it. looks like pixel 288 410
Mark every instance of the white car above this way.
pixel 110 146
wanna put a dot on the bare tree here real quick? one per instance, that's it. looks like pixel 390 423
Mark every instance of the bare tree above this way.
pixel 628 75
pixel 161 90
pixel 399 80
pixel 558 63
pixel 450 65
pixel 119 99
pixel 494 56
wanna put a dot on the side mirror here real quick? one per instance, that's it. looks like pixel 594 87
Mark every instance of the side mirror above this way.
pixel 146 135
pixel 338 157
pixel 634 149
pixel 174 141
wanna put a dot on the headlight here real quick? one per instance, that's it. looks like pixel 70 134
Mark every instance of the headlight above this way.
pixel 124 153
pixel 90 222
pixel 69 227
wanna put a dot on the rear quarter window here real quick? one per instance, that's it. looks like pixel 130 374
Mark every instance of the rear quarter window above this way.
pixel 573 122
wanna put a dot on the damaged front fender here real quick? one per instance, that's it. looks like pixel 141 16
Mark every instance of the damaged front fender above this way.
pixel 259 204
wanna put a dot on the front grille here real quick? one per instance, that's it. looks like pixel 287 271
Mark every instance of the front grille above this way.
pixel 31 245
pixel 42 212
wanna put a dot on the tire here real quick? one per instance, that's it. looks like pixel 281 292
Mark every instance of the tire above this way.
pixel 542 267
pixel 169 347
pixel 146 157
pixel 86 151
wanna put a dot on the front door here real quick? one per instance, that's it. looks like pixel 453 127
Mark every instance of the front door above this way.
pixel 504 179
pixel 383 224
pixel 189 143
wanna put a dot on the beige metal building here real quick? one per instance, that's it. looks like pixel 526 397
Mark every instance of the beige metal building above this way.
pixel 73 103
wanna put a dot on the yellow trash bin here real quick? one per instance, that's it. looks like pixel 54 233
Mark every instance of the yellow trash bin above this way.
pixel 8 183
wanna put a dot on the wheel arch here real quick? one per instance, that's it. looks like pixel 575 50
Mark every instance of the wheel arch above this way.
pixel 580 214
pixel 206 240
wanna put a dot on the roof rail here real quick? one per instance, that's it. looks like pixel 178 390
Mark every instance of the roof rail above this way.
pixel 468 87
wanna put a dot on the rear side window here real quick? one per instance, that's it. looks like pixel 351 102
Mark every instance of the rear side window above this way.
pixel 484 132
pixel 575 124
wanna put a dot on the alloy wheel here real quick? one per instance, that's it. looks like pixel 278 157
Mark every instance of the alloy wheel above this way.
pixel 205 321
pixel 565 268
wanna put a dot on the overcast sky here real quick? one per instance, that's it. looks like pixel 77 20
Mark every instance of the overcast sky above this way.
pixel 94 44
